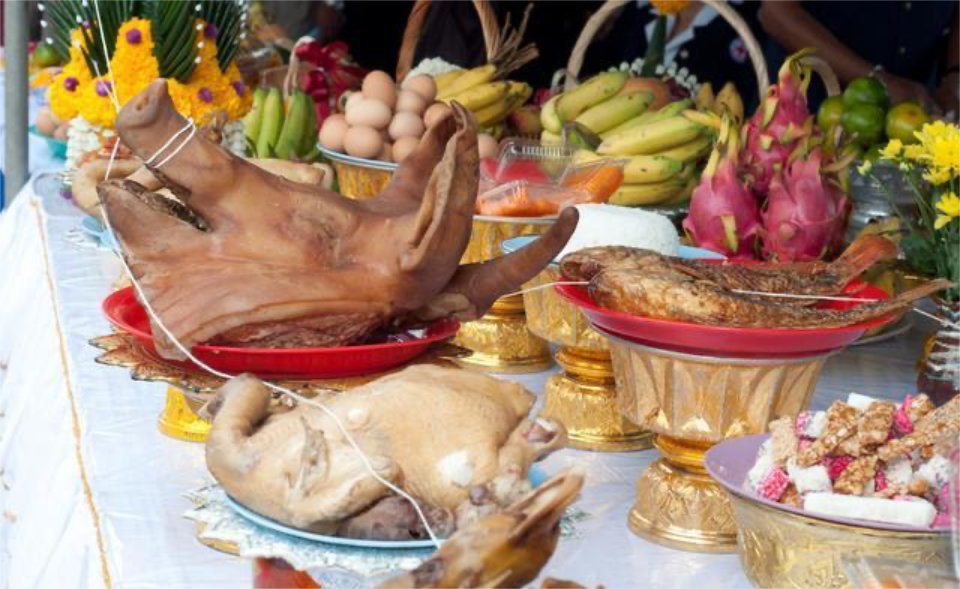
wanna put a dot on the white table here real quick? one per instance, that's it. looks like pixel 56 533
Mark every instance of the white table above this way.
pixel 91 492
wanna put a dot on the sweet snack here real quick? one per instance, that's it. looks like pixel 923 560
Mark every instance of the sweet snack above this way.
pixel 865 459
pixel 459 442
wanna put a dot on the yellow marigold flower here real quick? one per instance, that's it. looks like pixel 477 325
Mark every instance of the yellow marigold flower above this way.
pixel 913 152
pixel 665 7
pixel 133 63
pixel 892 149
pixel 95 104
pixel 949 207
pixel 864 168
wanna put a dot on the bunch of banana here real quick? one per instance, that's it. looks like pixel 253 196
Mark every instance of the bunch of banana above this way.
pixel 727 101
pixel 490 100
pixel 275 130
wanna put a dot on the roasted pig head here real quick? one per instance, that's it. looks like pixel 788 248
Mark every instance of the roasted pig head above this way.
pixel 244 257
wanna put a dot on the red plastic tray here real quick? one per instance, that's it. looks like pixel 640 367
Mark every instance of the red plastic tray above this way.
pixel 729 341
pixel 126 313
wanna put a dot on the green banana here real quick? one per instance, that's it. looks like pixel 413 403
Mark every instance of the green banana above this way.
pixel 578 135
pixel 634 195
pixel 272 123
pixel 594 91
pixel 548 116
pixel 309 140
pixel 615 111
pixel 651 137
pixel 691 151
pixel 672 109
pixel 252 120
pixel 294 126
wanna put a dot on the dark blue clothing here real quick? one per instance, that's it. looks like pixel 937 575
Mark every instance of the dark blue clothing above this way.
pixel 909 39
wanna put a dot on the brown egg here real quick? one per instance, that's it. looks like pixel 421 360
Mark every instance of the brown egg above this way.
pixel 434 113
pixel 488 146
pixel 410 101
pixel 380 85
pixel 406 124
pixel 333 131
pixel 404 147
pixel 422 85
pixel 61 132
pixel 46 122
pixel 363 142
pixel 352 99
pixel 369 112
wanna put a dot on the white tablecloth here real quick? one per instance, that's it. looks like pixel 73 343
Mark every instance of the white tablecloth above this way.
pixel 91 492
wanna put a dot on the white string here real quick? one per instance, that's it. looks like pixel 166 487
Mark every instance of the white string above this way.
pixel 547 285
pixel 781 295
pixel 103 40
pixel 159 323
pixel 189 124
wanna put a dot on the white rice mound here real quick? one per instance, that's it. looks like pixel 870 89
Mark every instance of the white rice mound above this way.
pixel 602 225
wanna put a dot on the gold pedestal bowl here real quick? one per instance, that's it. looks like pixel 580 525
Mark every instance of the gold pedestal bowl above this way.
pixel 359 178
pixel 500 340
pixel 693 402
pixel 583 396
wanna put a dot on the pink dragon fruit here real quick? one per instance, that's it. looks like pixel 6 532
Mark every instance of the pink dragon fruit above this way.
pixel 805 212
pixel 781 120
pixel 724 216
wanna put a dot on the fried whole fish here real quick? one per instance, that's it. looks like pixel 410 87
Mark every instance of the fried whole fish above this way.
pixel 803 278
pixel 642 282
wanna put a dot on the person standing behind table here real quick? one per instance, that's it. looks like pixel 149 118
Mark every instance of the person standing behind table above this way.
pixel 698 39
pixel 915 43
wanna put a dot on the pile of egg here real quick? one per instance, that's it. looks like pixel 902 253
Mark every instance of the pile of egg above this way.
pixel 382 123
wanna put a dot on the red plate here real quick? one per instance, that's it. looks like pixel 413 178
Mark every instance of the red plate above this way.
pixel 729 341
pixel 125 312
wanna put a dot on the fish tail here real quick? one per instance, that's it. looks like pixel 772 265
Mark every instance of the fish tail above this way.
pixel 865 252
pixel 905 298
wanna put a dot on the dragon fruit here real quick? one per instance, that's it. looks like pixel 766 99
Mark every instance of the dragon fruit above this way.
pixel 724 216
pixel 781 120
pixel 805 212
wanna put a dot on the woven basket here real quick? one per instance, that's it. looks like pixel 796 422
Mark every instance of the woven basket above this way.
pixel 612 7
pixel 411 34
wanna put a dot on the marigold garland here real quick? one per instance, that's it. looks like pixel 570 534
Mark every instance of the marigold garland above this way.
pixel 75 92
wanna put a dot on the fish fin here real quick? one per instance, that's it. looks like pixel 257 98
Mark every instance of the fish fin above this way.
pixel 865 252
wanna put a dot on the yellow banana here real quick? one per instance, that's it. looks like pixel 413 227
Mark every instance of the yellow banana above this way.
pixel 492 113
pixel 443 81
pixel 548 116
pixel 480 96
pixel 652 137
pixel 594 91
pixel 469 79
pixel 548 138
pixel 633 195
pixel 704 98
pixel 520 89
pixel 638 169
pixel 728 101
pixel 637 120
pixel 691 151
pixel 684 194
pixel 671 110
pixel 707 119
pixel 615 111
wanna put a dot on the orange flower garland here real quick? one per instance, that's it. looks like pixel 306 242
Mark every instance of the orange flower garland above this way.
pixel 667 7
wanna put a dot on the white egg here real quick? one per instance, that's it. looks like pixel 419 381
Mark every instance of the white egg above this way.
pixel 423 85
pixel 332 132
pixel 352 98
pixel 410 101
pixel 404 147
pixel 369 112
pixel 406 124
pixel 363 142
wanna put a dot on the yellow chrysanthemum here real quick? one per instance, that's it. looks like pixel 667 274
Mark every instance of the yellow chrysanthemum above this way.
pixel 892 149
pixel 95 104
pixel 67 85
pixel 133 63
pixel 949 209
pixel 939 151
pixel 666 7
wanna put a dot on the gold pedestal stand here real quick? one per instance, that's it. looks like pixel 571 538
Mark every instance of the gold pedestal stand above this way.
pixel 693 402
pixel 500 340
pixel 189 389
pixel 583 397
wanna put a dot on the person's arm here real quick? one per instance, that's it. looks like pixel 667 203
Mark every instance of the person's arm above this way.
pixel 948 91
pixel 795 28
